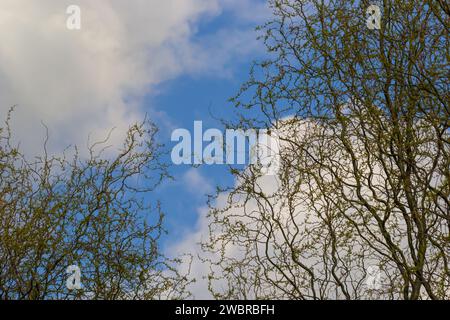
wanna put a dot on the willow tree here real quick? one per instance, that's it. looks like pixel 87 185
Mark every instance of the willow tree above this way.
pixel 362 114
pixel 92 217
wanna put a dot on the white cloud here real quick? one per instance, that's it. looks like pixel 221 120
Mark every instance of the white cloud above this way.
pixel 301 212
pixel 91 80
pixel 196 183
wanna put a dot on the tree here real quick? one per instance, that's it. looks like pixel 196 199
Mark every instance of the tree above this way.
pixel 96 213
pixel 363 121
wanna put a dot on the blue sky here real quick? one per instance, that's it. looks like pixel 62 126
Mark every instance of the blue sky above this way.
pixel 204 97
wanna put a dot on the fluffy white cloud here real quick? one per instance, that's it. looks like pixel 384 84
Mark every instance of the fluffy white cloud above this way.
pixel 196 182
pixel 90 80
pixel 297 208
